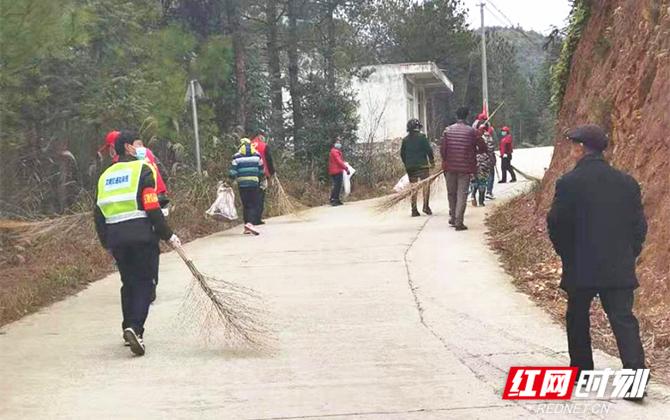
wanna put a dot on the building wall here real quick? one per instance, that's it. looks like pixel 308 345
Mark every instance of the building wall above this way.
pixel 383 105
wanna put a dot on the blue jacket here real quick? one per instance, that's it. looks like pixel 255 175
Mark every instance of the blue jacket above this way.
pixel 247 167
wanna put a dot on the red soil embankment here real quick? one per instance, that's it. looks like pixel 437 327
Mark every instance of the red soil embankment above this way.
pixel 620 79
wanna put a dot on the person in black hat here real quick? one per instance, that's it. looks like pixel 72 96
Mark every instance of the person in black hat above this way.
pixel 597 226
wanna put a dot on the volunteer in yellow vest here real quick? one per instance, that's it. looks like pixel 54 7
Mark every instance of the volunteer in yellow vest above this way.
pixel 130 224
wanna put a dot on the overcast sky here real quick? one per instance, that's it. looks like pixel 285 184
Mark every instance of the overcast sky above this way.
pixel 538 15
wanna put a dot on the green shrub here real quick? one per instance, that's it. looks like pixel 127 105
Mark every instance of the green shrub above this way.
pixel 560 72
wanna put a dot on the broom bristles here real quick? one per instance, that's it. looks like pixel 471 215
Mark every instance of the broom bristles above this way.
pixel 223 307
pixel 283 202
pixel 392 200
pixel 57 228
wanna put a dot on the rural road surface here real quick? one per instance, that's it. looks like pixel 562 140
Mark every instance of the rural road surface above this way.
pixel 376 317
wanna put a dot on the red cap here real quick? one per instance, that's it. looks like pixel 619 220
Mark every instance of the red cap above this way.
pixel 505 128
pixel 111 138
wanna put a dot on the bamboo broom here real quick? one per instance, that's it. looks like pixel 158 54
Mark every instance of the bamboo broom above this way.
pixel 387 203
pixel 282 201
pixel 224 307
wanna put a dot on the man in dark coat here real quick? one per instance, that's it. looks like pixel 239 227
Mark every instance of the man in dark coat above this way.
pixel 597 226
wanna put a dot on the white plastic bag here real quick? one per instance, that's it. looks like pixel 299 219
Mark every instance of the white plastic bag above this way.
pixel 224 206
pixel 402 184
pixel 346 179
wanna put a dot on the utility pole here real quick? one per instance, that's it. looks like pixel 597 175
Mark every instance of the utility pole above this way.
pixel 194 90
pixel 485 83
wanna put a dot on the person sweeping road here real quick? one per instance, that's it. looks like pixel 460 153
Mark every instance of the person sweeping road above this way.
pixel 417 156
pixel 129 224
pixel 265 151
pixel 247 170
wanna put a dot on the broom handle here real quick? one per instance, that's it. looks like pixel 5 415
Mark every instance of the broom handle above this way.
pixel 182 253
pixel 494 112
pixel 187 260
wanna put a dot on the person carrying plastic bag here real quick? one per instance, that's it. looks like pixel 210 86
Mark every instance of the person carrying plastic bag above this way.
pixel 336 168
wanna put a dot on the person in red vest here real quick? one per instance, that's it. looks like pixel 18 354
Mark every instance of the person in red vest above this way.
pixel 506 148
pixel 336 168
pixel 268 168
pixel 142 153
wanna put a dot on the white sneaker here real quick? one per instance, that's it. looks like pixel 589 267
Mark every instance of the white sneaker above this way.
pixel 134 341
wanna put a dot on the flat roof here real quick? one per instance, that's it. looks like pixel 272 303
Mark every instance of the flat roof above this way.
pixel 426 73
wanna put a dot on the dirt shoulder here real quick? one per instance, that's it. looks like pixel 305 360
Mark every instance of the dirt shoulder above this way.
pixel 519 235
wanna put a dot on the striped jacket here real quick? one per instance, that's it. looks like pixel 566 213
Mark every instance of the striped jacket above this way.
pixel 247 167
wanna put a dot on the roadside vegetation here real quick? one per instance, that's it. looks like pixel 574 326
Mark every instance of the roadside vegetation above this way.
pixel 72 70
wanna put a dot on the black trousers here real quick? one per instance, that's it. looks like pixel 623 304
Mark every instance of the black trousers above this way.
pixel 506 166
pixel 261 205
pixel 138 266
pixel 337 187
pixel 250 198
pixel 618 305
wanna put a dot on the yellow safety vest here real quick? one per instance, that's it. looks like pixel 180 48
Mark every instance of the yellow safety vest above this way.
pixel 117 192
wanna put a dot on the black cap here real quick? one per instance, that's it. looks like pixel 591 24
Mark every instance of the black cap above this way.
pixel 590 135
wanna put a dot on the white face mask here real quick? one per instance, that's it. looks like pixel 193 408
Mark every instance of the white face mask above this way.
pixel 140 153
pixel 338 145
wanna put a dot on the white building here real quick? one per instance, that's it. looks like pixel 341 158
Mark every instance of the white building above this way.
pixel 392 94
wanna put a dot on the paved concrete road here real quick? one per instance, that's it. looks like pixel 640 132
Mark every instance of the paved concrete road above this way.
pixel 377 317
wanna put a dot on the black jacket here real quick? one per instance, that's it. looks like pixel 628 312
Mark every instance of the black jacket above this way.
pixel 597 226
pixel 147 230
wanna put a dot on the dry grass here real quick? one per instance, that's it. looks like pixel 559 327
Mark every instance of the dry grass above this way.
pixel 528 256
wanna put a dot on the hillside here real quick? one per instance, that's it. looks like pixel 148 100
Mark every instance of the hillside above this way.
pixel 528 48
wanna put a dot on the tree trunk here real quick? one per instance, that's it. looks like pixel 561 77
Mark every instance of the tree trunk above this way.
pixel 274 67
pixel 293 69
pixel 329 52
pixel 234 22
